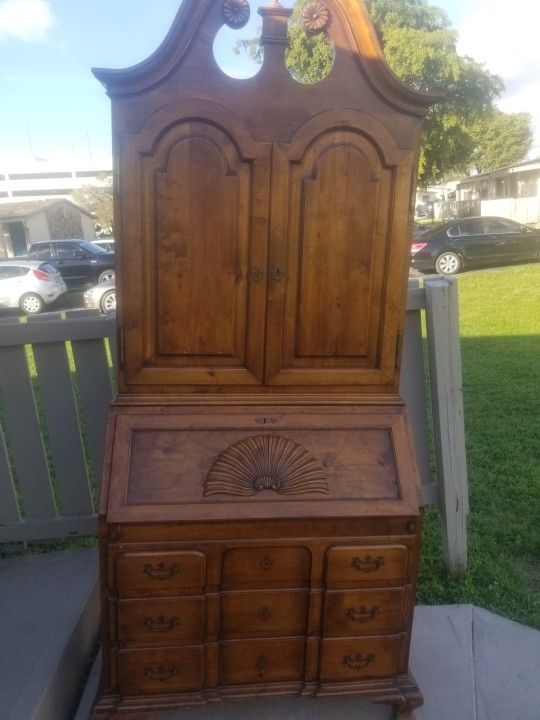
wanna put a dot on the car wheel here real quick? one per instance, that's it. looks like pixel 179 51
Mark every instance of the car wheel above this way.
pixel 31 304
pixel 107 304
pixel 106 275
pixel 448 263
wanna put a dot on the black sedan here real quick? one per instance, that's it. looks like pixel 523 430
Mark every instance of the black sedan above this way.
pixel 79 262
pixel 474 242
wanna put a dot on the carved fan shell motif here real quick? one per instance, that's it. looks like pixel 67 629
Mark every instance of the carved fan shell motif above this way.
pixel 315 17
pixel 266 462
pixel 236 13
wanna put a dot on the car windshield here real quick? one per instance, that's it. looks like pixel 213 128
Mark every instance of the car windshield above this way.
pixel 91 248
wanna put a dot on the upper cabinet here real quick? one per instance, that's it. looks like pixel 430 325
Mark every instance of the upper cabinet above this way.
pixel 263 225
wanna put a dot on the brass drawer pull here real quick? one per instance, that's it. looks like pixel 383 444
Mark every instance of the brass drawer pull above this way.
pixel 359 661
pixel 161 571
pixel 362 614
pixel 161 673
pixel 161 624
pixel 368 564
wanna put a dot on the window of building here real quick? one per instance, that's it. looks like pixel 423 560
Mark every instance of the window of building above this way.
pixel 484 190
pixel 502 188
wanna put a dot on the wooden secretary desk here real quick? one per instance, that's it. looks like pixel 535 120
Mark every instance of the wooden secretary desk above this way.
pixel 260 512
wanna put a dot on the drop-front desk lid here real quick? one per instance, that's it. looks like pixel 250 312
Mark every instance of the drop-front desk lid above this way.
pixel 217 463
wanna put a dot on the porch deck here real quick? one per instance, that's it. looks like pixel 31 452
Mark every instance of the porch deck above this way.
pixel 469 663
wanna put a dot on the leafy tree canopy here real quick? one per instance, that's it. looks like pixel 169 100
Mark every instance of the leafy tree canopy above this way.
pixel 97 199
pixel 500 139
pixel 420 47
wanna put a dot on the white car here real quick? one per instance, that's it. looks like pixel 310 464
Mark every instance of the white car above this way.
pixel 29 285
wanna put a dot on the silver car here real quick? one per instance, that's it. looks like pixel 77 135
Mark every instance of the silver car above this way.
pixel 29 285
pixel 102 297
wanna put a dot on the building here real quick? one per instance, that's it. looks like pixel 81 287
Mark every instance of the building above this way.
pixel 46 181
pixel 23 223
pixel 512 192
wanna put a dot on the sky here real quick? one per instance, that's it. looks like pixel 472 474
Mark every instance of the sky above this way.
pixel 53 108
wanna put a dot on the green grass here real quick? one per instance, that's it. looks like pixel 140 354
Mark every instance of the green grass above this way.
pixel 500 341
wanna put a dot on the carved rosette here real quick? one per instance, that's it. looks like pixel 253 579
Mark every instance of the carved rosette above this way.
pixel 315 17
pixel 235 13
pixel 266 462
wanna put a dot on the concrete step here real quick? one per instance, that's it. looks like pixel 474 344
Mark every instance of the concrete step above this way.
pixel 49 620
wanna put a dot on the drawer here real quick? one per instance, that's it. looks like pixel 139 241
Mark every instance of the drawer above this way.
pixel 358 658
pixel 171 572
pixel 267 566
pixel 261 661
pixel 364 612
pixel 351 566
pixel 167 670
pixel 264 614
pixel 161 622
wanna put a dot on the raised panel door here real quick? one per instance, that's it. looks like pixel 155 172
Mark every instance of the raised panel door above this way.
pixel 196 314
pixel 331 232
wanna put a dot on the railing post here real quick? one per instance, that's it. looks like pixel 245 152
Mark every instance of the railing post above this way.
pixel 447 403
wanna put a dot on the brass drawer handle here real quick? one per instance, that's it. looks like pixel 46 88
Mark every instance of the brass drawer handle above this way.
pixel 161 571
pixel 161 673
pixel 362 614
pixel 358 661
pixel 161 624
pixel 368 564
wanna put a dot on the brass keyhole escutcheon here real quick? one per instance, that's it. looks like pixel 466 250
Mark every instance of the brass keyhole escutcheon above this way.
pixel 264 613
pixel 262 664
pixel 278 274
pixel 267 562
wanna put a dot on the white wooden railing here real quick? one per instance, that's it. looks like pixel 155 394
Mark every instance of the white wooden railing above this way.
pixel 56 381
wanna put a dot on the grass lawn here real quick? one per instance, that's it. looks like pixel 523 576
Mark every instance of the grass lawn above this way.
pixel 500 336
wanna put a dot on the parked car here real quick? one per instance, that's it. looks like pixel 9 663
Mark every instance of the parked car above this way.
pixel 101 297
pixel 29 285
pixel 474 242
pixel 81 263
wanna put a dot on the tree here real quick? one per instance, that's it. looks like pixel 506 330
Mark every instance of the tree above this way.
pixel 500 139
pixel 98 199
pixel 420 47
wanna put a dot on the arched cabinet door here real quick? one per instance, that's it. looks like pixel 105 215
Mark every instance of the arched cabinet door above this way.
pixel 195 253
pixel 334 205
